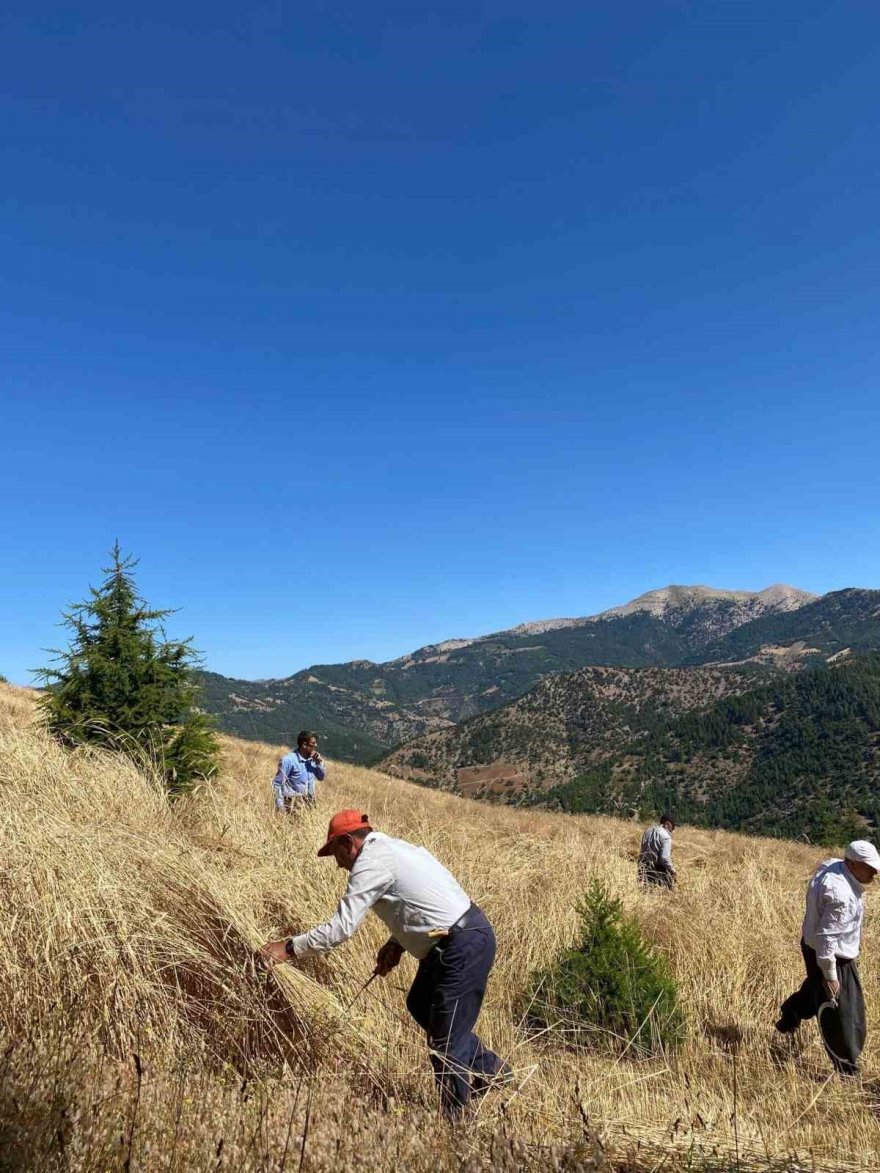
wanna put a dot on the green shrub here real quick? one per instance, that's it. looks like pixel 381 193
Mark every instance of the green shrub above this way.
pixel 613 991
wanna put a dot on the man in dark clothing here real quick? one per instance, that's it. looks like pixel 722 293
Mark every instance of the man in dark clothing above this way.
pixel 841 1020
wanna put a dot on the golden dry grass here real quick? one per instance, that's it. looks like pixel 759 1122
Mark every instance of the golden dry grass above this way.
pixel 128 927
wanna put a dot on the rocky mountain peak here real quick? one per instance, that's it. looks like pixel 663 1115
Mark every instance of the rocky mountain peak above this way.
pixel 685 599
pixel 675 604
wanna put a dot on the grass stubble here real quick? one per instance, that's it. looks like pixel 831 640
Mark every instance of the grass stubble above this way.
pixel 138 1031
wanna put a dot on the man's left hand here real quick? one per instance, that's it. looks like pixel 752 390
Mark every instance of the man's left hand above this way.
pixel 275 952
pixel 832 989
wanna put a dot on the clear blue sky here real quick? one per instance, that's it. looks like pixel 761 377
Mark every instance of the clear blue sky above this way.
pixel 365 326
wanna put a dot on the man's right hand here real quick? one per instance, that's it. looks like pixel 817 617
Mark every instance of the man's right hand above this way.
pixel 275 952
pixel 388 958
pixel 832 989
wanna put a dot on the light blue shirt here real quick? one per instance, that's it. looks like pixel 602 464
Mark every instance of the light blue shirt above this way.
pixel 296 775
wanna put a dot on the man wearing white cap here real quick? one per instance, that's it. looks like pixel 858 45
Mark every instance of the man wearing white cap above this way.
pixel 830 945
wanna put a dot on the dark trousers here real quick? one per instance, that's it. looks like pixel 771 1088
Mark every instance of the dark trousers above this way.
pixel 655 874
pixel 445 1000
pixel 843 1027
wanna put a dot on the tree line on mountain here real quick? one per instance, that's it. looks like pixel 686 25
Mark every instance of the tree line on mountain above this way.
pixel 796 758
pixel 570 721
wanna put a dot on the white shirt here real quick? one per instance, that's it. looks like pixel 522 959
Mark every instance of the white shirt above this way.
pixel 833 921
pixel 407 888
pixel 656 846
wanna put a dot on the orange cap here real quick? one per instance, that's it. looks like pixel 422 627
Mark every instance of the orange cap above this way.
pixel 343 823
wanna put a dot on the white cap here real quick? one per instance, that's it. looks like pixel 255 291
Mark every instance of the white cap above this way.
pixel 864 852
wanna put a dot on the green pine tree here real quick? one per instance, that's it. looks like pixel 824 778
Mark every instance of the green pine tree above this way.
pixel 121 684
pixel 613 990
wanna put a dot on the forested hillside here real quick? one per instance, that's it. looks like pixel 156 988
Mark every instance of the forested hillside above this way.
pixel 354 729
pixel 561 728
pixel 837 623
pixel 796 757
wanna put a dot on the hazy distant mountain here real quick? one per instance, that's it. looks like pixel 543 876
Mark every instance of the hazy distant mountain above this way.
pixel 711 612
pixel 708 611
pixel 363 709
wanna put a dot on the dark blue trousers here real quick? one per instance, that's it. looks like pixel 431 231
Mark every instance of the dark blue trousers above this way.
pixel 445 1000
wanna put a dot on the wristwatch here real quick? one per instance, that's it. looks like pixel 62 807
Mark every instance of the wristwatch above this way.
pixel 288 947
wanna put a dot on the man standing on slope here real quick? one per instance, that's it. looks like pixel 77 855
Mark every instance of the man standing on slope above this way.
pixel 430 916
pixel 297 772
pixel 832 934
pixel 655 854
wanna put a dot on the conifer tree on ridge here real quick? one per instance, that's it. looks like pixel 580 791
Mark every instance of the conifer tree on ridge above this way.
pixel 122 685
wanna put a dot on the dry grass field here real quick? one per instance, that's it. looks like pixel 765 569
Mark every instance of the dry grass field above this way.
pixel 137 1032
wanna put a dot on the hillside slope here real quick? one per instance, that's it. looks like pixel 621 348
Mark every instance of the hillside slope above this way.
pixel 145 1037
pixel 363 709
pixel 353 724
pixel 562 727
pixel 799 756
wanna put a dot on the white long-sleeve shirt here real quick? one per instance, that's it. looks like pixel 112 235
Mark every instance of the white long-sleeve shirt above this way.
pixel 407 888
pixel 656 848
pixel 833 920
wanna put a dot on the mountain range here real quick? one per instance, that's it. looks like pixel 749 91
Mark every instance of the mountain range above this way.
pixel 778 734
pixel 364 709
pixel 757 711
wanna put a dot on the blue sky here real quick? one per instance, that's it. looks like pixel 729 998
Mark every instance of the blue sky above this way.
pixel 365 326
